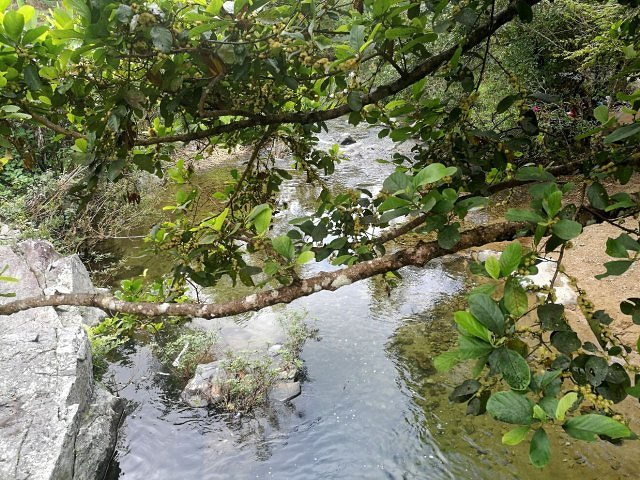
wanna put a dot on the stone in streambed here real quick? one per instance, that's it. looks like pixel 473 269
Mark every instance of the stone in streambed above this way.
pixel 285 391
pixel 348 140
pixel 205 388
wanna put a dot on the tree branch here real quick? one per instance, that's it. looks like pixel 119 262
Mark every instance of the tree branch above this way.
pixel 54 126
pixel 429 66
pixel 330 281
pixel 392 233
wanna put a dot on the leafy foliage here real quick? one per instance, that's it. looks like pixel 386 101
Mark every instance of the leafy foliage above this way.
pixel 123 81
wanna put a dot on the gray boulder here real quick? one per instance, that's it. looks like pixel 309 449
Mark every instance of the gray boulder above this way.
pixel 55 421
pixel 205 388
pixel 284 391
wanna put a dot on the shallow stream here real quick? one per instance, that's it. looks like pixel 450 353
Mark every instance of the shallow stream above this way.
pixel 372 405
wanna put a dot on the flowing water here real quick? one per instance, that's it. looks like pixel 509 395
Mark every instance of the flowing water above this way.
pixel 372 405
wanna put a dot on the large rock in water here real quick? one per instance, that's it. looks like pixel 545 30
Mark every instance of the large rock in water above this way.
pixel 56 423
pixel 261 338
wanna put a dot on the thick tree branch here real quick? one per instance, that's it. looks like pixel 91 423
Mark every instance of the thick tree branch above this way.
pixel 54 126
pixel 330 281
pixel 429 66
pixel 392 233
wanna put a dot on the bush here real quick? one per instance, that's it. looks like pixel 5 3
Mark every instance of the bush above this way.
pixel 186 352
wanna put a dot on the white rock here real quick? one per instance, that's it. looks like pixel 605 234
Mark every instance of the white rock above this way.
pixel 565 294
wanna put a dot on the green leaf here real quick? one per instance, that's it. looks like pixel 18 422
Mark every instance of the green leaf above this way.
pixel 31 77
pixel 634 391
pixel 628 242
pixel 566 342
pixel 487 289
pixel 523 215
pixel 34 33
pixel 464 391
pixel 510 258
pixel 162 38
pixel 260 216
pixel 549 404
pixel 492 266
pixel 511 407
pixel 446 361
pixel 515 298
pixel 471 327
pixel 617 267
pixel 433 173
pixel 529 123
pixel 596 370
pixel 448 237
pixel 356 36
pixel 622 133
pixel 395 182
pixel 597 195
pixel 588 427
pixel 621 200
pixel 512 366
pixel 487 312
pixel 124 13
pixel 354 100
pixel 532 173
pixel 305 257
pixel 601 113
pixel 515 436
pixel 13 23
pixel 631 306
pixel 381 6
pixel 219 221
pixel 284 246
pixel 81 7
pixel 540 448
pixel 565 404
pixel 471 347
pixel 551 316
pixel 398 32
pixel 618 247
pixel 539 413
pixel 506 102
pixel 552 203
pixel 392 203
pixel 566 229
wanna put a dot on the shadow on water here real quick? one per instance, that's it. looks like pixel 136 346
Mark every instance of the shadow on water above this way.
pixel 372 405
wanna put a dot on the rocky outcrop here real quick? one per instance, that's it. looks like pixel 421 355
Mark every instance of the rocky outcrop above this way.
pixel 260 339
pixel 55 422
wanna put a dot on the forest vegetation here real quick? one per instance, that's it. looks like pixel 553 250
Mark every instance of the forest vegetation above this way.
pixel 491 94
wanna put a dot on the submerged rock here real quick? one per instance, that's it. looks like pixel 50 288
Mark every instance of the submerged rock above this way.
pixel 285 391
pixel 55 421
pixel 348 140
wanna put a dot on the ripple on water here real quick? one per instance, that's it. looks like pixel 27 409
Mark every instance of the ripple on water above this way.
pixel 372 405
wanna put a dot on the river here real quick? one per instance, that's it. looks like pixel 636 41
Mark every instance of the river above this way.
pixel 372 405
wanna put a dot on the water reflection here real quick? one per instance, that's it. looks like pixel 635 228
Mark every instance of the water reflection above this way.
pixel 355 418
pixel 372 405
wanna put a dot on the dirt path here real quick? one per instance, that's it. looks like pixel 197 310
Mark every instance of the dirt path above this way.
pixel 585 260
